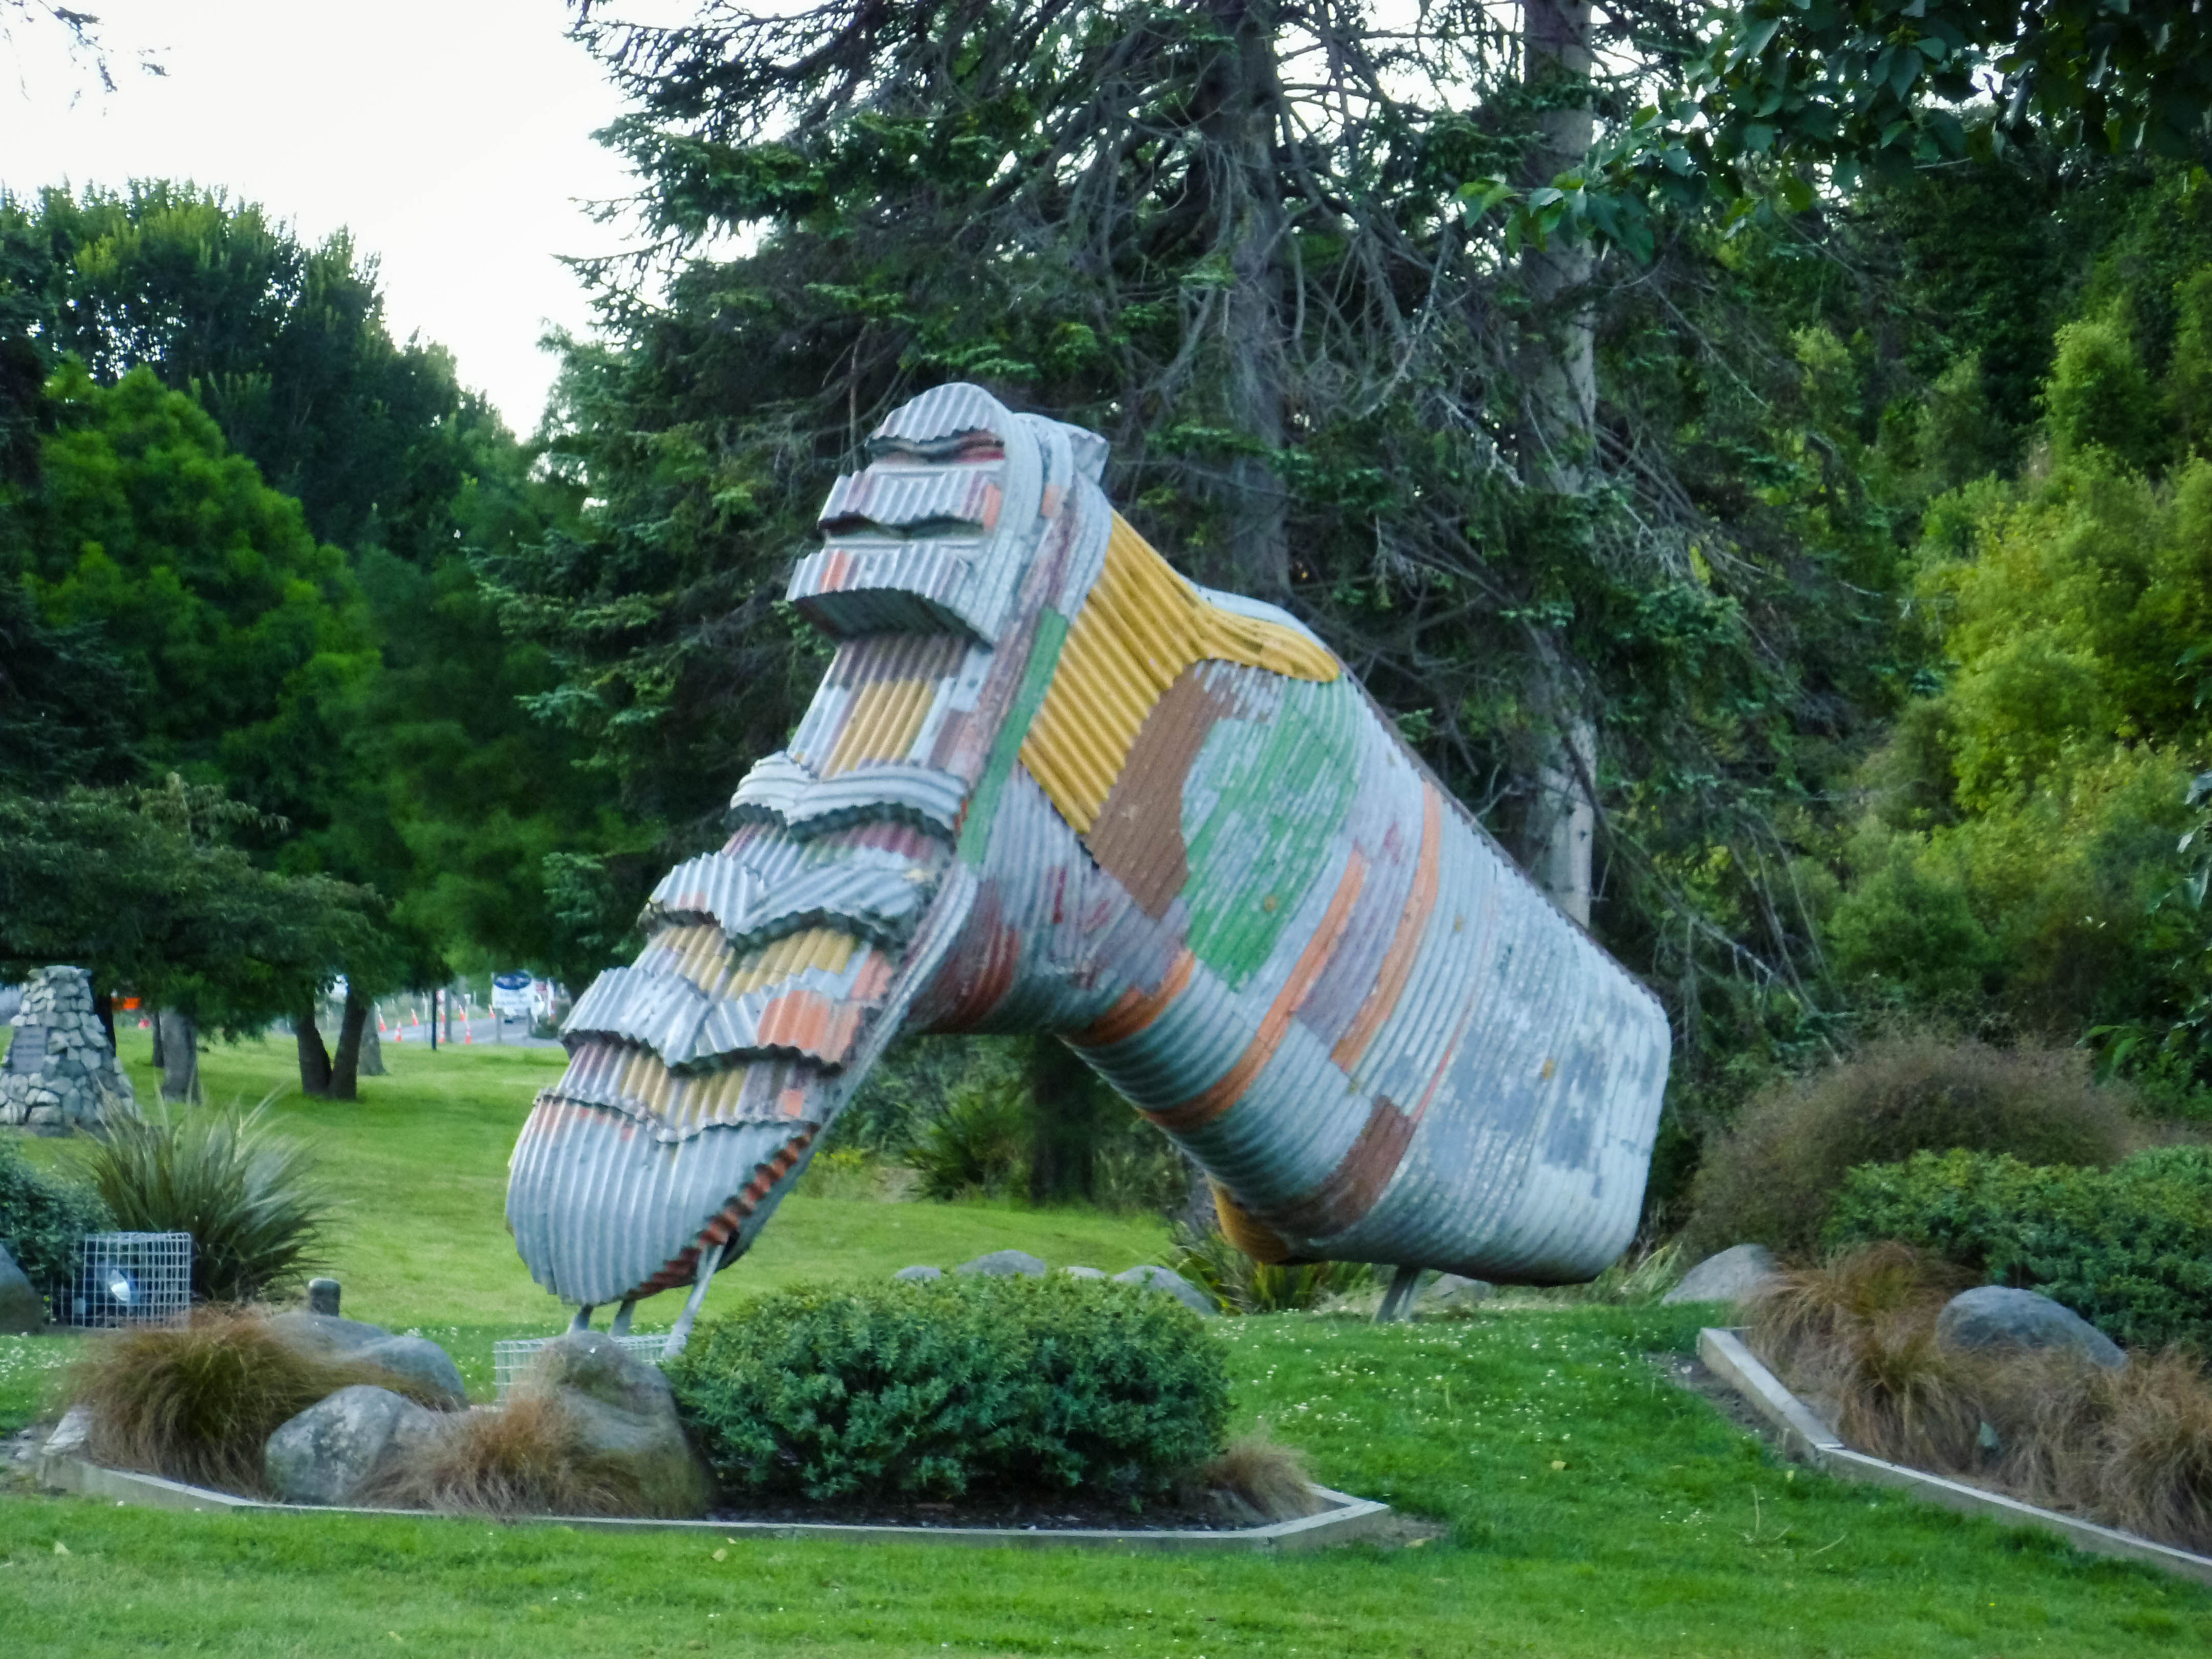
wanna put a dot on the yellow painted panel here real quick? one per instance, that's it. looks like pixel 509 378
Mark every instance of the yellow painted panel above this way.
pixel 882 723
pixel 1141 625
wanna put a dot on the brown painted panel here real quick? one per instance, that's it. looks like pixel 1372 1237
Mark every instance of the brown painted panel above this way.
pixel 1138 838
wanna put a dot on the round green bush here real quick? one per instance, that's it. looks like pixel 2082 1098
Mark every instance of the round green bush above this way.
pixel 42 1217
pixel 946 1387
pixel 1772 1179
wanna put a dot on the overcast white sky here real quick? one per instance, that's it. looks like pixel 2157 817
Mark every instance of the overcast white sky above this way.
pixel 453 139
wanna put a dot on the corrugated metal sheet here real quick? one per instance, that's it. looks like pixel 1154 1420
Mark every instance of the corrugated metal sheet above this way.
pixel 865 899
pixel 1185 841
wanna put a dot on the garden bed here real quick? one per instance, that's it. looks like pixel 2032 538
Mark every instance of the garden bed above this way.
pixel 1806 1435
pixel 1347 1520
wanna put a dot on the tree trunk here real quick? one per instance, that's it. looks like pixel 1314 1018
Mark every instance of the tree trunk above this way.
pixel 1064 1122
pixel 1567 812
pixel 180 1057
pixel 159 1061
pixel 103 1009
pixel 1558 426
pixel 346 1073
pixel 314 1057
pixel 1244 202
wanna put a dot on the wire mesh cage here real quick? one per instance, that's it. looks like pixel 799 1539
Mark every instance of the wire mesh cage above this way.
pixel 125 1278
pixel 510 1358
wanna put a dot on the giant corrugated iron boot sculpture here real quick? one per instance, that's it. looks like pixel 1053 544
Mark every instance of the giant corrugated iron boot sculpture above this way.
pixel 1049 784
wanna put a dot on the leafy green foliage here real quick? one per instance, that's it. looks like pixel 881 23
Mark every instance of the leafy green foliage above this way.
pixel 246 1193
pixel 133 885
pixel 1240 1284
pixel 981 1143
pixel 238 633
pixel 2129 1248
pixel 42 1216
pixel 1774 1178
pixel 412 767
pixel 956 1385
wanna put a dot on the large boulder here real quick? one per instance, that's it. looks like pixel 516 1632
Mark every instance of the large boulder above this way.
pixel 1003 1264
pixel 1996 1316
pixel 1735 1275
pixel 343 1444
pixel 1082 1272
pixel 1168 1283
pixel 625 1411
pixel 415 1359
pixel 21 1312
pixel 907 1275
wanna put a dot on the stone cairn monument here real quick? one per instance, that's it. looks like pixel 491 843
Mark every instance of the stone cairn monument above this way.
pixel 60 1073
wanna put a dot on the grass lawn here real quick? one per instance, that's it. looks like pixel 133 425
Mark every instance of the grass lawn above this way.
pixel 1592 1507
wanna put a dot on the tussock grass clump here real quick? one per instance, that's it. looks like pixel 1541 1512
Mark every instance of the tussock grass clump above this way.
pixel 2129 1447
pixel 246 1194
pixel 1253 1481
pixel 1859 1336
pixel 195 1401
pixel 1773 1178
pixel 1240 1284
pixel 524 1458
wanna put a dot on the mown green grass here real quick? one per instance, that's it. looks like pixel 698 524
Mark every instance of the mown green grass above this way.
pixel 1663 1530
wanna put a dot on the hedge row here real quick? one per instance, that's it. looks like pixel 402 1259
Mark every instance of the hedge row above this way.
pixel 2129 1248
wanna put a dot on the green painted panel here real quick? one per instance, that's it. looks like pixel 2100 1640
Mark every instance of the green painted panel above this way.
pixel 1005 748
pixel 1283 789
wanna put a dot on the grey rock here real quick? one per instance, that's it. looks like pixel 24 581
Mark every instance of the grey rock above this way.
pixel 1997 1316
pixel 1084 1272
pixel 1003 1264
pixel 917 1271
pixel 72 1435
pixel 322 1297
pixel 625 1410
pixel 1734 1275
pixel 414 1358
pixel 1171 1284
pixel 343 1443
pixel 21 1310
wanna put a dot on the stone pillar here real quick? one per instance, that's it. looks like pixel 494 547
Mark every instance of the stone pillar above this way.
pixel 60 1073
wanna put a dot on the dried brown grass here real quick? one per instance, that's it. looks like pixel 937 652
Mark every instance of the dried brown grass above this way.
pixel 1859 1336
pixel 1254 1482
pixel 2129 1447
pixel 524 1458
pixel 197 1401
pixel 1773 1177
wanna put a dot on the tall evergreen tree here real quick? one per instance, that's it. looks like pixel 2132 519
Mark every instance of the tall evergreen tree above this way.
pixel 1500 479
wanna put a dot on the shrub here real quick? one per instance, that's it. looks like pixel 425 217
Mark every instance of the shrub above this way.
pixel 195 1401
pixel 528 1457
pixel 1239 1285
pixel 1772 1179
pixel 949 1386
pixel 2129 1248
pixel 246 1194
pixel 42 1217
pixel 981 1143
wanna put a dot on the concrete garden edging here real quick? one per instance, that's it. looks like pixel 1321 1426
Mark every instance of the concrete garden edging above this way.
pixel 1813 1440
pixel 1348 1520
